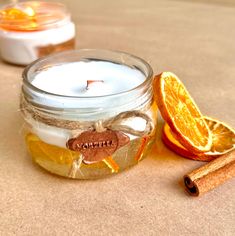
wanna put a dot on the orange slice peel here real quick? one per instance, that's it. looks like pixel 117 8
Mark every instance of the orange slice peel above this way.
pixel 181 113
pixel 223 138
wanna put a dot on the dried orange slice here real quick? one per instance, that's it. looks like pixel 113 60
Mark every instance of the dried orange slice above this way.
pixel 181 113
pixel 223 142
pixel 39 149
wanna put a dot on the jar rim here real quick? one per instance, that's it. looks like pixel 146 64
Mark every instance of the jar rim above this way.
pixel 28 70
pixel 48 20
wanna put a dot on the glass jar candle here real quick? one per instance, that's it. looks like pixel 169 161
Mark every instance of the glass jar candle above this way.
pixel 32 29
pixel 89 113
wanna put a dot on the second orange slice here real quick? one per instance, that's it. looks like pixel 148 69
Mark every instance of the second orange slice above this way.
pixel 223 138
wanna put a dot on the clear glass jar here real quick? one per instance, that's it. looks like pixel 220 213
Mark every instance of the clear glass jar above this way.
pixel 32 29
pixel 87 137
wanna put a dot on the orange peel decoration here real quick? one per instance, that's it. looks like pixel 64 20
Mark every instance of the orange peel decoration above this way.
pixel 223 138
pixel 17 14
pixel 139 154
pixel 181 113
pixel 18 19
pixel 114 167
pixel 30 16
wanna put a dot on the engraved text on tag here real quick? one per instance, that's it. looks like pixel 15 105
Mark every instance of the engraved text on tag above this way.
pixel 95 146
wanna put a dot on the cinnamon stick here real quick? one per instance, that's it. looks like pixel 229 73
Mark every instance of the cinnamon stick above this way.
pixel 210 175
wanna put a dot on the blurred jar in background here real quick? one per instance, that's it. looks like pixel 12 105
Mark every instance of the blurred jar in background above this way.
pixel 32 29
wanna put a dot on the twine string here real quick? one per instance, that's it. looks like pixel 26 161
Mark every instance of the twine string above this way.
pixel 77 127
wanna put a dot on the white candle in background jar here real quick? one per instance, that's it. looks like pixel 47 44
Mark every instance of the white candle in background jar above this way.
pixel 101 91
pixel 32 29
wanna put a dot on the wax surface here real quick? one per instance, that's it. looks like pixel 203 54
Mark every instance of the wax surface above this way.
pixel 71 79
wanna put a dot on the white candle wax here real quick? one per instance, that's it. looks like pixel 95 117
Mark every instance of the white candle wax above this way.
pixel 70 80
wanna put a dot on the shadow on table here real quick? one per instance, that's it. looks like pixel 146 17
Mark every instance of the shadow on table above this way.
pixel 170 165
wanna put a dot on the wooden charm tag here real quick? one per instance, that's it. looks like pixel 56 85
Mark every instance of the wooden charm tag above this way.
pixel 95 146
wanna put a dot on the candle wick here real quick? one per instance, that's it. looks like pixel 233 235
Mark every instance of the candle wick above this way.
pixel 89 82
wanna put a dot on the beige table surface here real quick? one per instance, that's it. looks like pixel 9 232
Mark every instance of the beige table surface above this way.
pixel 194 39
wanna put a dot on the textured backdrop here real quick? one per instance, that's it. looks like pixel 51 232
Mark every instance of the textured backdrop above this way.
pixel 195 40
